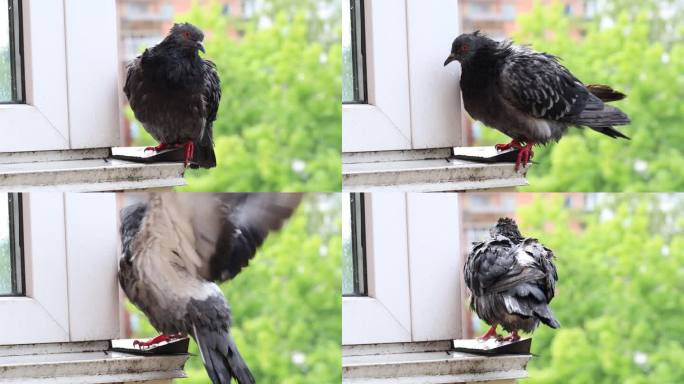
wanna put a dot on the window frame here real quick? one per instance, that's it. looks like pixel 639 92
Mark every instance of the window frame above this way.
pixel 16 243
pixel 413 101
pixel 70 78
pixel 358 238
pixel 71 293
pixel 407 297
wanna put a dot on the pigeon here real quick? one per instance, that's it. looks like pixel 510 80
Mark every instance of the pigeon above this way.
pixel 175 94
pixel 529 96
pixel 511 280
pixel 177 246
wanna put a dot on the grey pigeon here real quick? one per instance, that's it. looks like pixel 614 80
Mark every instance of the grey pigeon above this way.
pixel 527 95
pixel 511 280
pixel 176 246
pixel 175 94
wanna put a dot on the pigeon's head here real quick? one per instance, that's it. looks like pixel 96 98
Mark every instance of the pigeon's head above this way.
pixel 187 36
pixel 465 46
pixel 508 228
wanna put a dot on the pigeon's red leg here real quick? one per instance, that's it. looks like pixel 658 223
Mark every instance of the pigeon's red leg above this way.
pixel 189 152
pixel 513 144
pixel 513 337
pixel 157 340
pixel 524 155
pixel 491 333
pixel 160 147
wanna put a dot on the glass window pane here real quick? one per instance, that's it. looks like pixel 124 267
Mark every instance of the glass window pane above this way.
pixel 11 265
pixel 353 242
pixel 11 89
pixel 353 52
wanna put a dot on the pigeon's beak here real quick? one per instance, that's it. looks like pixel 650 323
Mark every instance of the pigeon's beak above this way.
pixel 449 59
pixel 200 46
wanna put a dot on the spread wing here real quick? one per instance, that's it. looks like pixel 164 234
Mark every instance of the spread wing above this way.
pixel 536 84
pixel 230 228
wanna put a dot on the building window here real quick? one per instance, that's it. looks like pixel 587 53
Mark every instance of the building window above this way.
pixel 354 253
pixel 11 73
pixel 11 258
pixel 353 53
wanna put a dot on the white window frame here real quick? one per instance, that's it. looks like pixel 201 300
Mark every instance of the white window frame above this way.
pixel 413 101
pixel 70 76
pixel 414 270
pixel 70 255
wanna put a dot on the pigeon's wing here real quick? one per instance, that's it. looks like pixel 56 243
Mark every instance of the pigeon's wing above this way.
pixel 212 95
pixel 530 264
pixel 488 263
pixel 544 263
pixel 212 89
pixel 229 228
pixel 133 79
pixel 537 85
pixel 131 218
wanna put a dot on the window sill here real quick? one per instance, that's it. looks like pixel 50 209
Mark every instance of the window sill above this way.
pixel 83 171
pixel 428 363
pixel 427 171
pixel 88 362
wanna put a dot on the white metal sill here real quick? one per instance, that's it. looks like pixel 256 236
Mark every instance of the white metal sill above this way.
pixel 427 363
pixel 88 170
pixel 84 362
pixel 426 171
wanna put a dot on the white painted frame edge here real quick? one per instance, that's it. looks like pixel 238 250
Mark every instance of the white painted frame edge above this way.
pixel 42 316
pixel 385 122
pixel 92 69
pixel 434 265
pixel 384 316
pixel 92 263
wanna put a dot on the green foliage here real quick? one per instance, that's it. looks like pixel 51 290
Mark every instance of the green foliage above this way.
pixel 286 305
pixel 5 267
pixel 626 57
pixel 5 75
pixel 618 296
pixel 278 126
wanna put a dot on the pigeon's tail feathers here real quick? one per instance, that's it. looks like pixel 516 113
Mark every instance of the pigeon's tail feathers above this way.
pixel 610 131
pixel 544 314
pixel 602 120
pixel 204 155
pixel 221 358
pixel 605 93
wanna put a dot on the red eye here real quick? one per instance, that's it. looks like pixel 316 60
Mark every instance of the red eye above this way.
pixel 186 34
pixel 464 48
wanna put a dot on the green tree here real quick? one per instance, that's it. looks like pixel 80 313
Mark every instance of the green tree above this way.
pixel 619 296
pixel 278 126
pixel 286 304
pixel 625 56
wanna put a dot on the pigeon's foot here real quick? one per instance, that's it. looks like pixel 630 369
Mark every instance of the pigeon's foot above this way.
pixel 490 333
pixel 157 340
pixel 160 147
pixel 524 155
pixel 512 337
pixel 513 144
pixel 189 152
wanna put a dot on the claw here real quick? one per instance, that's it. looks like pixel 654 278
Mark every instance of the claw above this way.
pixel 512 337
pixel 490 333
pixel 513 144
pixel 524 155
pixel 160 147
pixel 157 340
pixel 189 152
